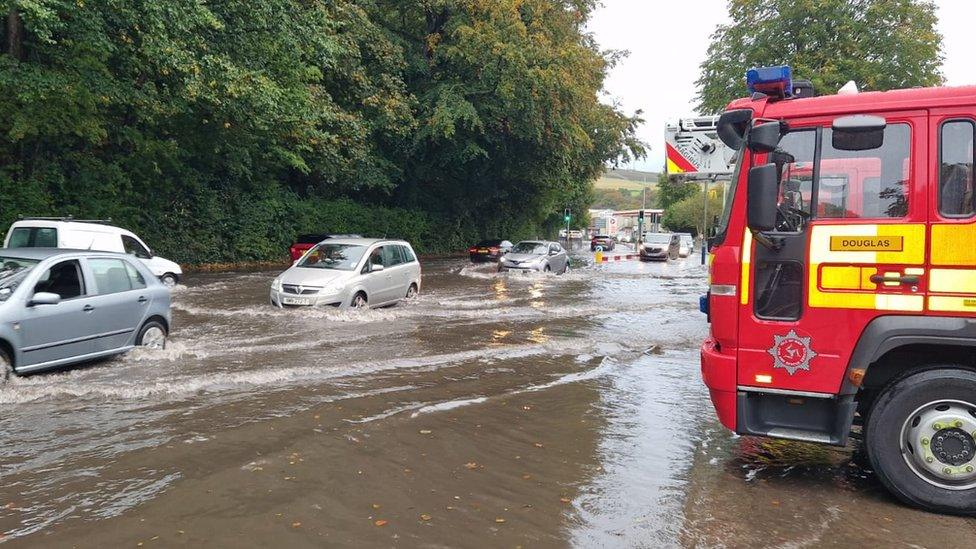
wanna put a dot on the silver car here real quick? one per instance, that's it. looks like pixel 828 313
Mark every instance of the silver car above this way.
pixel 535 255
pixel 61 307
pixel 350 272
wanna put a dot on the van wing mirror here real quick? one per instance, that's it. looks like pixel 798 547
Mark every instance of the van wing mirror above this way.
pixel 761 197
pixel 732 126
pixel 764 137
pixel 858 132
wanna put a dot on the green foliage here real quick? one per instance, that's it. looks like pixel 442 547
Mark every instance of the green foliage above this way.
pixel 688 214
pixel 879 44
pixel 218 130
pixel 624 199
pixel 671 190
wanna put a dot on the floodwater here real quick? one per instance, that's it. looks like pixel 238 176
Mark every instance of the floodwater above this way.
pixel 494 410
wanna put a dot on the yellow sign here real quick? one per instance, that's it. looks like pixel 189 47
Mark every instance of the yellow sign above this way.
pixel 866 243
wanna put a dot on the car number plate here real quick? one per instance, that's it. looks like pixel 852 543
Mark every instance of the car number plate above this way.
pixel 482 250
pixel 297 301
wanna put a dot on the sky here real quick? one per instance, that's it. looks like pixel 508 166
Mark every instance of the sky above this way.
pixel 667 41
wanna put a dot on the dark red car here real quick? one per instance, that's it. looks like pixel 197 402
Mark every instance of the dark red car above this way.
pixel 604 241
pixel 305 242
pixel 489 250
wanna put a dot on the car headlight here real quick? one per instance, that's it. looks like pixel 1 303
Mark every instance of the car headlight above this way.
pixel 276 284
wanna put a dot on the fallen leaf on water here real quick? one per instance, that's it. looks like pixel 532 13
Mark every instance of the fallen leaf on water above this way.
pixel 380 523
pixel 425 431
pixel 538 445
pixel 499 520
pixel 526 476
pixel 526 407
pixel 565 500
pixel 425 517
pixel 471 465
pixel 376 506
pixel 316 416
pixel 180 532
pixel 296 524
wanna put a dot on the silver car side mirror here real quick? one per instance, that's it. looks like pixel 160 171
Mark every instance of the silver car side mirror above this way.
pixel 376 268
pixel 44 298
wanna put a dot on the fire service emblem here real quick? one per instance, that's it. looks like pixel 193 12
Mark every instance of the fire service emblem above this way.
pixel 791 352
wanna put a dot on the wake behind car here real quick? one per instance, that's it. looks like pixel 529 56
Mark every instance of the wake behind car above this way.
pixel 535 255
pixel 350 272
pixel 489 250
pixel 70 233
pixel 659 247
pixel 602 241
pixel 60 307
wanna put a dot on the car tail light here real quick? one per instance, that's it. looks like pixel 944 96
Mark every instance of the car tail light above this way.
pixel 472 249
pixel 494 248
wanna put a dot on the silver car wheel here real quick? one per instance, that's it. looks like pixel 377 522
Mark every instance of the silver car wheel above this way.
pixel 168 280
pixel 938 442
pixel 154 338
pixel 359 302
pixel 411 292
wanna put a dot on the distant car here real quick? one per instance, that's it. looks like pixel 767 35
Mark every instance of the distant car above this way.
pixel 60 307
pixel 489 250
pixel 603 241
pixel 686 245
pixel 575 234
pixel 70 233
pixel 535 255
pixel 562 233
pixel 659 246
pixel 623 237
pixel 350 272
pixel 305 242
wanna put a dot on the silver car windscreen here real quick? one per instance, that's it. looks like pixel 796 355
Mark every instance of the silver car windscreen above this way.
pixel 13 270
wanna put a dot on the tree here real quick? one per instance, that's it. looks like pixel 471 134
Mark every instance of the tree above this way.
pixel 672 189
pixel 879 44
pixel 217 130
pixel 688 215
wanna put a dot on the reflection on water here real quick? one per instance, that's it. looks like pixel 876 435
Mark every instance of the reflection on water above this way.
pixel 524 398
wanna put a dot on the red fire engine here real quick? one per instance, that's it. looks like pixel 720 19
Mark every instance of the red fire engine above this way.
pixel 843 280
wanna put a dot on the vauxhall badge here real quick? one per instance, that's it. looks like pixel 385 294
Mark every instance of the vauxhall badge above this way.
pixel 791 352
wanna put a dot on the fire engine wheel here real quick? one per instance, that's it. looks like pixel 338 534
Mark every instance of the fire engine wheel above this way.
pixel 921 440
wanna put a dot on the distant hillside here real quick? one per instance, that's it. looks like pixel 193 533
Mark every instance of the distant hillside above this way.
pixel 633 175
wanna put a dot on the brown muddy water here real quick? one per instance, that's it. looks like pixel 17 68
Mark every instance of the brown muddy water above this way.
pixel 533 411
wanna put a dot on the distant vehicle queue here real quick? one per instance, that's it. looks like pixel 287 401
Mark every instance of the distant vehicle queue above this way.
pixel 76 290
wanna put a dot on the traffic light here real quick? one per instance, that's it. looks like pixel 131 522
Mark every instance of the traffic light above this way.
pixel 640 215
pixel 567 215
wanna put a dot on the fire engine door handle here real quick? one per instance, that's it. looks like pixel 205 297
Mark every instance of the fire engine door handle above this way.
pixel 904 279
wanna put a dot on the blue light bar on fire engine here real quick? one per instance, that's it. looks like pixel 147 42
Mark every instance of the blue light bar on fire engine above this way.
pixel 772 81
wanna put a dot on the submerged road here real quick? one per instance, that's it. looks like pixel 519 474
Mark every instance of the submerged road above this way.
pixel 495 410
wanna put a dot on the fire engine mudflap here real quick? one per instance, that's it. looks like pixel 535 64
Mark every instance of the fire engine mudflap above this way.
pixel 842 287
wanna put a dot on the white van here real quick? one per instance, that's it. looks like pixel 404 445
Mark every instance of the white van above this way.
pixel 66 232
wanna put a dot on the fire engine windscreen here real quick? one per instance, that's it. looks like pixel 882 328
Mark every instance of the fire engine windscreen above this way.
pixel 851 184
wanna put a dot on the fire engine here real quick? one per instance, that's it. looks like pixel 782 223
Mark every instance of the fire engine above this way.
pixel 842 280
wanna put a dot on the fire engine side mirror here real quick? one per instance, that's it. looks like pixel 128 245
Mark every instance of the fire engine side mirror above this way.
pixel 859 132
pixel 764 137
pixel 731 127
pixel 761 197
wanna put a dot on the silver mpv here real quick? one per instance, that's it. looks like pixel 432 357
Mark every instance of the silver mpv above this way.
pixel 350 272
pixel 60 307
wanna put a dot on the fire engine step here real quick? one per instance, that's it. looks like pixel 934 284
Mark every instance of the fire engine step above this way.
pixel 795 416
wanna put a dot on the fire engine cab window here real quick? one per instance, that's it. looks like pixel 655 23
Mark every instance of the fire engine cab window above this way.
pixel 796 178
pixel 865 184
pixel 956 168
